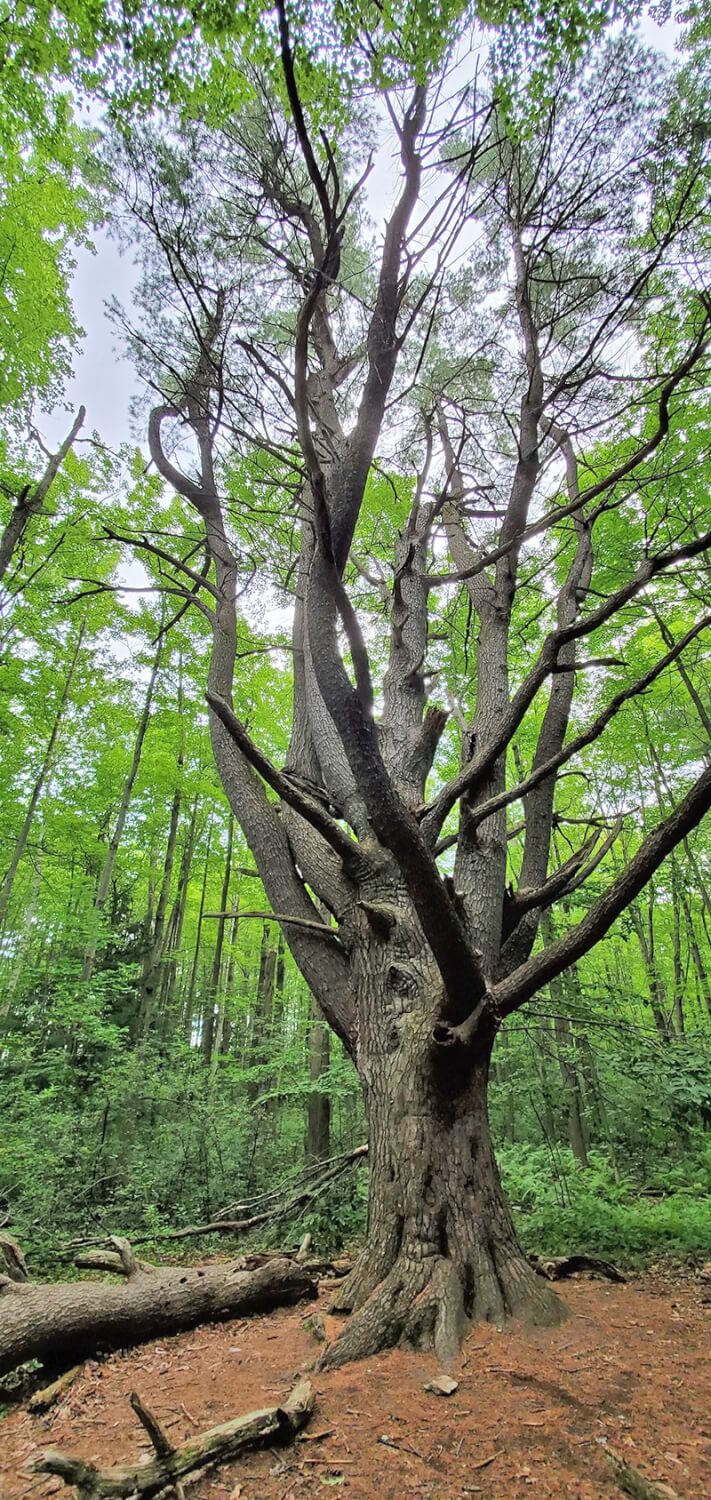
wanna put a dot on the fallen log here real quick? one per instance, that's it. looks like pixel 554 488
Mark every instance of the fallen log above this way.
pixel 276 1424
pixel 70 1320
pixel 48 1396
pixel 108 1260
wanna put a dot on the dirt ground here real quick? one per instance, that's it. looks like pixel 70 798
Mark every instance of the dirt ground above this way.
pixel 630 1367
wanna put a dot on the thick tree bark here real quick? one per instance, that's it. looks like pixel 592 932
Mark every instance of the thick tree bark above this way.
pixel 70 1320
pixel 441 1246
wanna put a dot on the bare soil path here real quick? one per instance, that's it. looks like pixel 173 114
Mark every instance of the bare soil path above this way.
pixel 631 1365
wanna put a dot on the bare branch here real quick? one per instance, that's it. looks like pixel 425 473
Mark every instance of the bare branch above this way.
pixel 525 981
pixel 593 731
pixel 31 499
pixel 345 847
pixel 475 773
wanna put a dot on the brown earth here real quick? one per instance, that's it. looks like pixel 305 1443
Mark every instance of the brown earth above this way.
pixel 629 1366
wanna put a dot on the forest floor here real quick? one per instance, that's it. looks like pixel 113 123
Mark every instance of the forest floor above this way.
pixel 630 1366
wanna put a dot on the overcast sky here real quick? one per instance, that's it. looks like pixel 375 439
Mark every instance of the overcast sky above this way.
pixel 103 378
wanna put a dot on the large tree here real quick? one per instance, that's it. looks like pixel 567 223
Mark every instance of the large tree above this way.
pixel 457 445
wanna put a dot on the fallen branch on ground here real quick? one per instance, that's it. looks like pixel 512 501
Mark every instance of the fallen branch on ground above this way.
pixel 108 1260
pixel 558 1267
pixel 50 1394
pixel 275 1424
pixel 281 1202
pixel 68 1320
pixel 632 1483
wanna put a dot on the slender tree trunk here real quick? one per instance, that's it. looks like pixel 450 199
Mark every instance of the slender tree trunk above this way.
pixel 153 960
pixel 23 953
pixel 701 974
pixel 678 889
pixel 44 772
pixel 104 884
pixel 318 1114
pixel 657 997
pixel 679 1018
pixel 566 1054
pixel 263 1007
pixel 188 1012
pixel 177 915
pixel 699 882
pixel 505 1082
pixel 691 689
pixel 540 1038
pixel 226 1011
pixel 213 1022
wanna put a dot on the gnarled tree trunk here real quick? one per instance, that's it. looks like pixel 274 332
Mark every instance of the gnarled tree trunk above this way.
pixel 441 1246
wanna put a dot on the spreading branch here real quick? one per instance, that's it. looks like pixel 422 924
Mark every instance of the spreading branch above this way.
pixel 593 731
pixel 344 846
pixel 31 499
pixel 474 774
pixel 530 977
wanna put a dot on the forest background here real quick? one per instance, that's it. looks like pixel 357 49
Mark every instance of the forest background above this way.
pixel 161 1060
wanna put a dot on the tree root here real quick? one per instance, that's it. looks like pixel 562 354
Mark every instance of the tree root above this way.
pixel 276 1424
pixel 425 1303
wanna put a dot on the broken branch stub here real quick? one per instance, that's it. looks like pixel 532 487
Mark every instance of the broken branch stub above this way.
pixel 12 1260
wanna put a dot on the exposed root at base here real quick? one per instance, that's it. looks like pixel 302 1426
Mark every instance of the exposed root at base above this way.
pixel 421 1303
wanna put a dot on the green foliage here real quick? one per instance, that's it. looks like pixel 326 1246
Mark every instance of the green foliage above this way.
pixel 563 1209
